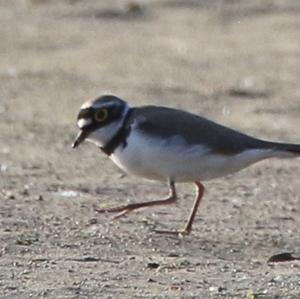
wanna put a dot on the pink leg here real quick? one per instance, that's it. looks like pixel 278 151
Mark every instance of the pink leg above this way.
pixel 126 209
pixel 188 227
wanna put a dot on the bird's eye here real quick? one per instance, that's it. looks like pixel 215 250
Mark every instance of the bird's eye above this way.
pixel 101 115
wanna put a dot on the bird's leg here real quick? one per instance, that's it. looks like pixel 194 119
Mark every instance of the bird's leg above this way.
pixel 188 227
pixel 123 210
pixel 200 191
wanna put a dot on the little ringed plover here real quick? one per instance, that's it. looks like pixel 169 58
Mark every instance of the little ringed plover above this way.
pixel 171 145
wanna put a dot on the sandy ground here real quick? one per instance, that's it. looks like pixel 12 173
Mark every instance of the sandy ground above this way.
pixel 237 62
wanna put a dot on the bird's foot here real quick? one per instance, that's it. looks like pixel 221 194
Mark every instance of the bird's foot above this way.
pixel 121 211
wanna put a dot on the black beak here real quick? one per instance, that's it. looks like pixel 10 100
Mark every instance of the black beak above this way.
pixel 80 137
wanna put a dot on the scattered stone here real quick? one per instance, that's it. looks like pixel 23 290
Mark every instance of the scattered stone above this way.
pixel 252 295
pixel 282 257
pixel 68 193
pixel 8 194
pixel 248 88
pixel 131 10
pixel 151 280
pixel 39 259
pixel 40 197
pixel 134 8
pixel 173 254
pixel 216 289
pixel 278 278
pixel 3 167
pixel 213 289
pixel 11 288
pixel 176 287
pixel 25 192
pixel 153 265
pixel 93 221
pixel 26 240
pixel 92 259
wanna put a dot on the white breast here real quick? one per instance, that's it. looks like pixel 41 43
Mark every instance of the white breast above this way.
pixel 172 158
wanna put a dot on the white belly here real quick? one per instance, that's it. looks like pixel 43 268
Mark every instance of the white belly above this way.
pixel 173 158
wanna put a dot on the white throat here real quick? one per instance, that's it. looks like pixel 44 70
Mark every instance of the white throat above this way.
pixel 103 135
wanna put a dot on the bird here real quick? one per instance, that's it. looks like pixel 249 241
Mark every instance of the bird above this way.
pixel 171 145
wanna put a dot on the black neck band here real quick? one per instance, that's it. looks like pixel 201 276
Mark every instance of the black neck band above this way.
pixel 119 137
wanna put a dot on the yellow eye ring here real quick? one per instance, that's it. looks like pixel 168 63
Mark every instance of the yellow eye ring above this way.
pixel 101 115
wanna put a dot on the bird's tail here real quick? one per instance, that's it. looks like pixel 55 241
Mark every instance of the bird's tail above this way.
pixel 284 150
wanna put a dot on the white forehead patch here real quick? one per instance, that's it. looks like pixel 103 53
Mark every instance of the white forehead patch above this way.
pixel 96 104
pixel 86 105
pixel 83 122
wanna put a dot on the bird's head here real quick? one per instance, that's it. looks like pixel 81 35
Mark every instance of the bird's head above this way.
pixel 100 119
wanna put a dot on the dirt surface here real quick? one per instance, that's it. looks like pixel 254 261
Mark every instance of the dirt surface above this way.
pixel 236 62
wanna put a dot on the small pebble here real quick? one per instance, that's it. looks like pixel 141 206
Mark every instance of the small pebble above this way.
pixel 39 198
pixel 153 265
